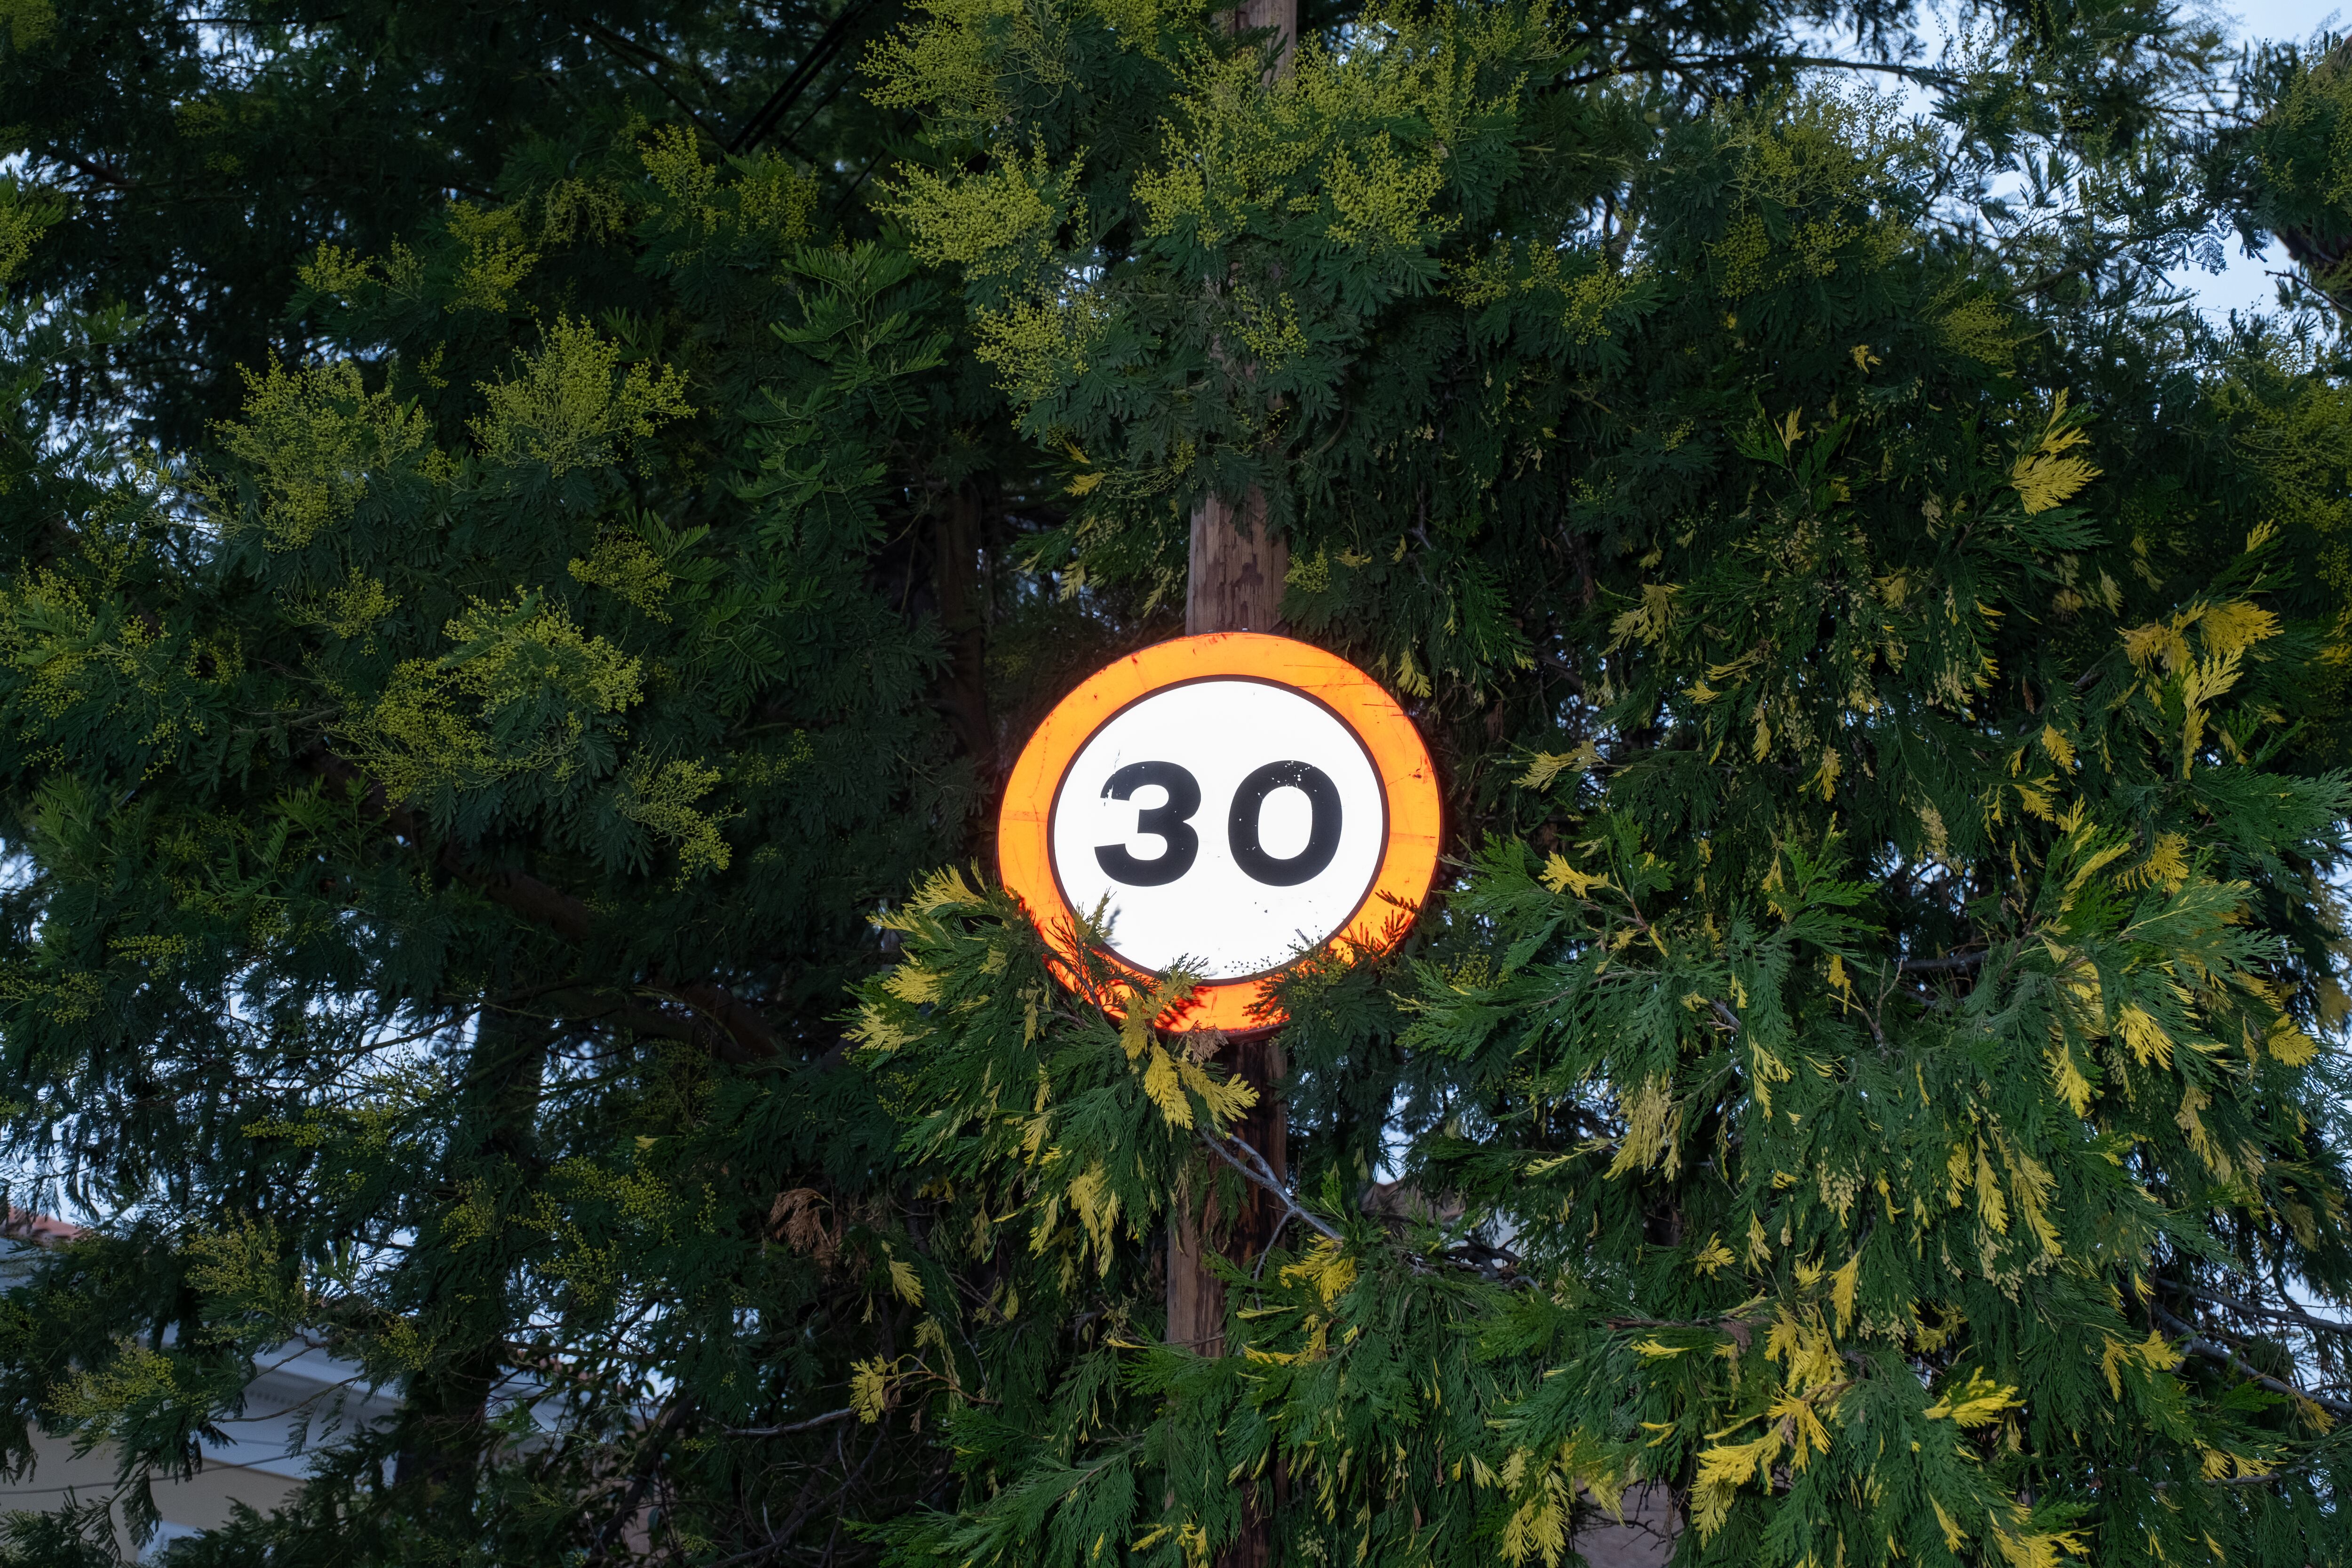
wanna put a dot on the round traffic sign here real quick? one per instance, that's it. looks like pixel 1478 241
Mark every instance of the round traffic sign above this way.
pixel 1229 803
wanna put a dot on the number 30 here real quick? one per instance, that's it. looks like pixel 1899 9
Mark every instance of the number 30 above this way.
pixel 1171 822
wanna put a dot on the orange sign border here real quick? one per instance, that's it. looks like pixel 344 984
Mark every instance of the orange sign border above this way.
pixel 1408 865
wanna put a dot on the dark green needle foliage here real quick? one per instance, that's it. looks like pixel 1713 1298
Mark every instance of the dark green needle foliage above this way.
pixel 1864 1083
pixel 533 533
pixel 447 789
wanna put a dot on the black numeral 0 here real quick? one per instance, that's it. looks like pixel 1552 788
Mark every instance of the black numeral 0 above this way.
pixel 1171 822
pixel 1322 834
pixel 1168 820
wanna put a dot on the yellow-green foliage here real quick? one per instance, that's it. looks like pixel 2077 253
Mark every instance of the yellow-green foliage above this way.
pixel 242 1266
pixel 1807 171
pixel 403 1345
pixel 23 220
pixel 662 800
pixel 351 611
pixel 575 404
pixel 949 59
pixel 2051 472
pixel 1039 347
pixel 83 657
pixel 209 122
pixel 1983 331
pixel 962 58
pixel 640 1204
pixel 573 210
pixel 624 565
pixel 676 165
pixel 69 646
pixel 104 1398
pixel 314 438
pixel 1324 144
pixel 2298 431
pixel 517 696
pixel 331 269
pixel 2304 151
pixel 766 199
pixel 497 259
pixel 27 23
pixel 1590 299
pixel 773 198
pixel 1582 285
pixel 998 224
pixel 1234 148
pixel 158 954
pixel 70 997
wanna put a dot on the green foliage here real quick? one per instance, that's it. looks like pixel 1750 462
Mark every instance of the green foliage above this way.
pixel 1871 1085
pixel 1885 1018
pixel 451 798
pixel 1854 1246
pixel 2300 154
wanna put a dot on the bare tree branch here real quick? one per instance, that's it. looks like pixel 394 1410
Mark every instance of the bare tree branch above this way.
pixel 2197 1345
pixel 811 1424
pixel 2289 1313
pixel 1264 1176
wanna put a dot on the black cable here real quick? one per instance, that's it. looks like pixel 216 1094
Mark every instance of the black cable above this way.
pixel 782 100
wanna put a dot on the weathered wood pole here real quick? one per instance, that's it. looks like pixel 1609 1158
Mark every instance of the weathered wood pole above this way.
pixel 1235 581
pixel 1236 586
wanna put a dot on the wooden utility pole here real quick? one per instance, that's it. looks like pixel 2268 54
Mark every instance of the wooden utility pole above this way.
pixel 1236 586
pixel 1233 584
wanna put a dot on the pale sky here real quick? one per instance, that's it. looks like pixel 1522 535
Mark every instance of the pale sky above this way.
pixel 2245 283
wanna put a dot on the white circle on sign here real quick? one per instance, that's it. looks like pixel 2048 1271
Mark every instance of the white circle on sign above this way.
pixel 1228 824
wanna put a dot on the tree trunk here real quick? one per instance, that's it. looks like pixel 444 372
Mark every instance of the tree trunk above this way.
pixel 964 619
pixel 1196 1298
pixel 493 1148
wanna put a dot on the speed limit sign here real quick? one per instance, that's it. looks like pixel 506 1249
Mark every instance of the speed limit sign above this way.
pixel 1230 802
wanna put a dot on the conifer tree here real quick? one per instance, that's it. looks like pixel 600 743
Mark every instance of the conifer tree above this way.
pixel 484 632
pixel 482 742
pixel 1865 1088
